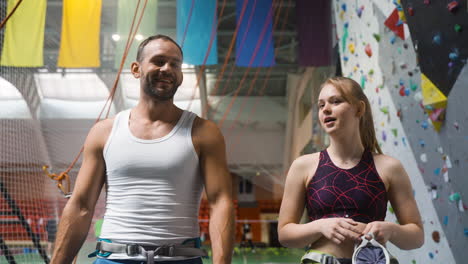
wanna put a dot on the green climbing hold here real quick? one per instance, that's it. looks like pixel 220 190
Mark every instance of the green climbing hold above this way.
pixel 384 110
pixel 377 37
pixel 395 132
pixel 457 28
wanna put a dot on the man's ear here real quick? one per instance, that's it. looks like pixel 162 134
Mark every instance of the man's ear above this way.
pixel 135 69
pixel 361 109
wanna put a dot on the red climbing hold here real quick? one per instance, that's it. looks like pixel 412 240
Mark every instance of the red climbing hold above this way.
pixel 452 6
pixel 368 50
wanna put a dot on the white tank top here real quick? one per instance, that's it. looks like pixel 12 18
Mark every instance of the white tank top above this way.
pixel 154 186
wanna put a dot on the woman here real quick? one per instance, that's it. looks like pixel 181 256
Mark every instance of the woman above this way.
pixel 346 187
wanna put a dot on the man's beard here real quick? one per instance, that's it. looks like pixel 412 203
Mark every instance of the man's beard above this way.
pixel 150 89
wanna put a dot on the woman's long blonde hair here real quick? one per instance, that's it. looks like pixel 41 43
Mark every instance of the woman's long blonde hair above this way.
pixel 353 94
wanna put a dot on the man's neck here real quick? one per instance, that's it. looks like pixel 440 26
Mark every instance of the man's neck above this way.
pixel 157 110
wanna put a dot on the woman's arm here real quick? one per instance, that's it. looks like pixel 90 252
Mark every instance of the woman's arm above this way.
pixel 408 234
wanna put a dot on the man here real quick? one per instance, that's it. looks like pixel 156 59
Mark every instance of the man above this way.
pixel 155 160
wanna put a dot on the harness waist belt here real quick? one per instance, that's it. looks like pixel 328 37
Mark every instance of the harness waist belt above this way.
pixel 150 251
pixel 319 257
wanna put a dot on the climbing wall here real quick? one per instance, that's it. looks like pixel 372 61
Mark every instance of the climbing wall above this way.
pixel 418 108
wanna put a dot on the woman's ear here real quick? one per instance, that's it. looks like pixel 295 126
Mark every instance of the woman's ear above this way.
pixel 361 109
pixel 135 69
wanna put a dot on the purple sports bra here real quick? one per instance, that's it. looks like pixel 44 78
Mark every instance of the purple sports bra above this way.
pixel 358 193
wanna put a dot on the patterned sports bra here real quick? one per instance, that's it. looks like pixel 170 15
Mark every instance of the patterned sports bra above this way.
pixel 358 193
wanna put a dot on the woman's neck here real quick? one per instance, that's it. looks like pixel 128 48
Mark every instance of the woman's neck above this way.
pixel 346 147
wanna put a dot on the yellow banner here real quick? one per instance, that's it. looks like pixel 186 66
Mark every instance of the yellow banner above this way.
pixel 24 34
pixel 79 45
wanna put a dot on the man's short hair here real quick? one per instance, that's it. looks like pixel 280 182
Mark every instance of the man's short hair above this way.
pixel 145 42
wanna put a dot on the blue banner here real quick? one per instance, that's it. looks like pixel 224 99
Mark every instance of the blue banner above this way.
pixel 196 31
pixel 254 43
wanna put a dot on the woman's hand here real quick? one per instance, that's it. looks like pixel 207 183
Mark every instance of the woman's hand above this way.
pixel 381 230
pixel 340 229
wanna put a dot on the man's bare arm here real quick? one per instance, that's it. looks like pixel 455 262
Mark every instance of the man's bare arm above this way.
pixel 218 186
pixel 78 212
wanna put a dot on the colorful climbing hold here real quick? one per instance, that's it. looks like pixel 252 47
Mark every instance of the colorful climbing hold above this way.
pixel 437 39
pixel 351 48
pixel 457 28
pixel 455 197
pixel 436 236
pixel 452 6
pixel 424 124
pixel 453 55
pixel 359 11
pixel 422 143
pixel 377 37
pixel 368 50
pixel 384 110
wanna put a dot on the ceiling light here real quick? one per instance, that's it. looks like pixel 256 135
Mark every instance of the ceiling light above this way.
pixel 116 37
pixel 139 37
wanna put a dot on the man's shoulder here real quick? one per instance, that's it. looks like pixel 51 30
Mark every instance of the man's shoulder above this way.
pixel 206 132
pixel 101 131
pixel 203 126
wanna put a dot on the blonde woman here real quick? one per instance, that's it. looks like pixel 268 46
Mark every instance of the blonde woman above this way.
pixel 345 188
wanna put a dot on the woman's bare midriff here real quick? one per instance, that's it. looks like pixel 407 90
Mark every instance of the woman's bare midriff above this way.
pixel 343 250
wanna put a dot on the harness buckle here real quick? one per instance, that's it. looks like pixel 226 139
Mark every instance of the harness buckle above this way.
pixel 327 259
pixel 132 249
pixel 165 250
pixel 170 251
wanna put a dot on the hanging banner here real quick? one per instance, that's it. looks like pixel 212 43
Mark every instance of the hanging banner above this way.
pixel 24 34
pixel 79 42
pixel 196 31
pixel 254 43
pixel 314 32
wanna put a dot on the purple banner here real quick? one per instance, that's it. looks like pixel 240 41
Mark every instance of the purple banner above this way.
pixel 314 32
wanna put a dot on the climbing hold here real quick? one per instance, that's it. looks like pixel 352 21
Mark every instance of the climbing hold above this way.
pixel 434 192
pixel 436 236
pixel 351 48
pixel 422 143
pixel 452 6
pixel 423 157
pixel 453 55
pixel 424 125
pixel 368 50
pixel 436 39
pixel 343 7
pixel 411 11
pixel 359 11
pixel 402 91
pixel 427 2
pixel 384 110
pixel 455 197
pixel 377 37
pixel 457 28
